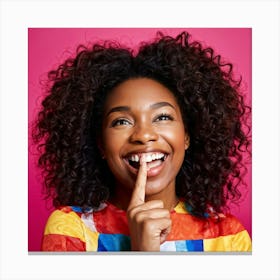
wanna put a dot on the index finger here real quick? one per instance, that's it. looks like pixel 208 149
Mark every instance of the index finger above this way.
pixel 138 194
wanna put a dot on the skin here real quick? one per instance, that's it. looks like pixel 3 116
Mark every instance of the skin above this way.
pixel 141 116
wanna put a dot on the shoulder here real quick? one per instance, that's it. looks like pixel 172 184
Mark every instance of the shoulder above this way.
pixel 219 231
pixel 67 218
pixel 225 223
pixel 70 229
pixel 63 220
pixel 64 231
pixel 228 234
pixel 212 224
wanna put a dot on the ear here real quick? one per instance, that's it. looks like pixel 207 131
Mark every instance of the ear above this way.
pixel 187 141
pixel 100 148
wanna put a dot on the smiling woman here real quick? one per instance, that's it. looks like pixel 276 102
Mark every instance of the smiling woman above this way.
pixel 147 124
pixel 142 151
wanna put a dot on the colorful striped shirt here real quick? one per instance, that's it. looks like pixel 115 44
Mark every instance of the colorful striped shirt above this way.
pixel 106 229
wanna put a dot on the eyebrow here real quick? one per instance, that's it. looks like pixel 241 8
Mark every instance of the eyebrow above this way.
pixel 161 104
pixel 127 108
pixel 118 109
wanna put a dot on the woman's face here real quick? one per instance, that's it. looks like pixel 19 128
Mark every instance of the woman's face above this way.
pixel 142 119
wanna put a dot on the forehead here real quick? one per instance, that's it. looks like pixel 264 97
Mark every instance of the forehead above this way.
pixel 139 92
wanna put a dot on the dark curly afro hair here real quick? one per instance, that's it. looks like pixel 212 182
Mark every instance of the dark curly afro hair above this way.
pixel 213 110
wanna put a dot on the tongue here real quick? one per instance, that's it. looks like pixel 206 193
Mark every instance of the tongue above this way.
pixel 154 163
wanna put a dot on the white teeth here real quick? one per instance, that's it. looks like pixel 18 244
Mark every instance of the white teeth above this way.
pixel 147 157
pixel 134 158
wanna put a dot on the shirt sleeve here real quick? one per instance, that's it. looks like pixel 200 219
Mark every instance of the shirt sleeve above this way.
pixel 229 236
pixel 64 232
pixel 242 242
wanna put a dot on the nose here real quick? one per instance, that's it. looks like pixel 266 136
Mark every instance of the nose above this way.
pixel 143 134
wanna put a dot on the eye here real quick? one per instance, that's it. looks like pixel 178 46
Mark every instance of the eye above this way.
pixel 120 122
pixel 164 117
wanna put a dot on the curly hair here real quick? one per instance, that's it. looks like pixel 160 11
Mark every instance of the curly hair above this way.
pixel 213 111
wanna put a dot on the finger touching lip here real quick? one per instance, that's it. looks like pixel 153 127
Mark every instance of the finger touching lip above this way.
pixel 155 162
pixel 138 195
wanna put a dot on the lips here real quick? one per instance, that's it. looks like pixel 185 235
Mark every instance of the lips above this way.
pixel 154 161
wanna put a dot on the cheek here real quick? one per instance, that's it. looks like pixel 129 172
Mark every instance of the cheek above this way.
pixel 112 143
pixel 112 156
pixel 176 138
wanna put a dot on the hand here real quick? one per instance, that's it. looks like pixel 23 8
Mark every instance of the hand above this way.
pixel 149 222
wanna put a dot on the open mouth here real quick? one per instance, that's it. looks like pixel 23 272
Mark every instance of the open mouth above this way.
pixel 152 159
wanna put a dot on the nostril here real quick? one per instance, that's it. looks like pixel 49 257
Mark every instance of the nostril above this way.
pixel 139 142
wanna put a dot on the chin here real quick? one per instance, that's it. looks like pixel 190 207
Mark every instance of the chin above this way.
pixel 153 188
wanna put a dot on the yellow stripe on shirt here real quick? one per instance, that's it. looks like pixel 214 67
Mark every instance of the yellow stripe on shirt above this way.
pixel 70 224
pixel 239 242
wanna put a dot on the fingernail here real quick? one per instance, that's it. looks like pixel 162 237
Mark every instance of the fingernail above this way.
pixel 142 159
pixel 144 163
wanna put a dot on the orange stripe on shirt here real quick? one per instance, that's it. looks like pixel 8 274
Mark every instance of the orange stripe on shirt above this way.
pixel 60 243
pixel 188 227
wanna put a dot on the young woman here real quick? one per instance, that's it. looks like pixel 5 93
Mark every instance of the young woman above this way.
pixel 142 151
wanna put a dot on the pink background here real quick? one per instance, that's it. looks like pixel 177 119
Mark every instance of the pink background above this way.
pixel 48 47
